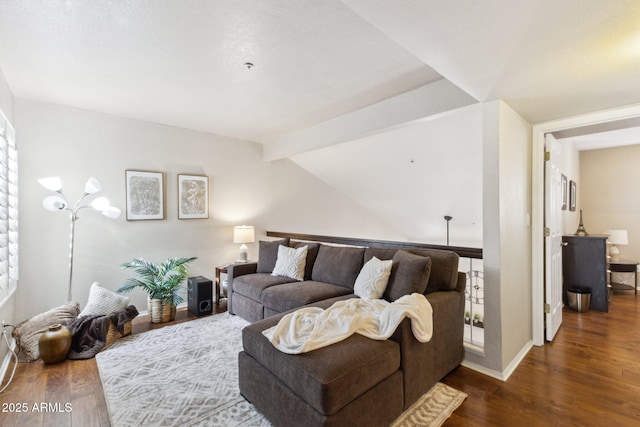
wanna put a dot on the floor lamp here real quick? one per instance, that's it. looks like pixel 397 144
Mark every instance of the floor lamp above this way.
pixel 58 202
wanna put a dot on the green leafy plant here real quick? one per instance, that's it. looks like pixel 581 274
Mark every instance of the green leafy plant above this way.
pixel 159 280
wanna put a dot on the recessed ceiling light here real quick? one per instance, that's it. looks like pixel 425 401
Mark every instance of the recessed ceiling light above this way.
pixel 248 65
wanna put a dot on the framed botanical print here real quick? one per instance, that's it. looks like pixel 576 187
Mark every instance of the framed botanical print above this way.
pixel 145 195
pixel 572 195
pixel 193 196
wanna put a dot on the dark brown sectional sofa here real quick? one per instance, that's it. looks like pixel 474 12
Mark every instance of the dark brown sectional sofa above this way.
pixel 358 381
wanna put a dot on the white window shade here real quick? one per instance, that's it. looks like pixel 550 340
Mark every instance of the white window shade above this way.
pixel 8 209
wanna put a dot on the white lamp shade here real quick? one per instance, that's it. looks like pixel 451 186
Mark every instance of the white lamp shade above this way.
pixel 54 203
pixel 243 234
pixel 618 237
pixel 52 183
pixel 112 212
pixel 92 186
pixel 101 204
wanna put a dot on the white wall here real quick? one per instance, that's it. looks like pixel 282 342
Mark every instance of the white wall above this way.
pixel 76 144
pixel 411 176
pixel 515 234
pixel 7 311
pixel 607 194
pixel 507 239
pixel 570 167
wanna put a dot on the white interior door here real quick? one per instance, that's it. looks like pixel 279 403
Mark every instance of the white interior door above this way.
pixel 553 239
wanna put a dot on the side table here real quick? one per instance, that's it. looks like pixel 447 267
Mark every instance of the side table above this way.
pixel 624 267
pixel 220 270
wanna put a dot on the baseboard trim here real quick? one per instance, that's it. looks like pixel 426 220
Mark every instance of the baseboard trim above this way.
pixel 506 373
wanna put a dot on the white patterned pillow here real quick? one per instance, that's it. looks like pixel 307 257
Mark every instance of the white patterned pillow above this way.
pixel 373 279
pixel 291 262
pixel 103 301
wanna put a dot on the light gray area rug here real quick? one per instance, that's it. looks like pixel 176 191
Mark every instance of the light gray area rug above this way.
pixel 187 375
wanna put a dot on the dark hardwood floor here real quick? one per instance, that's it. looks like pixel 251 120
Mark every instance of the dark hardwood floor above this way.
pixel 589 376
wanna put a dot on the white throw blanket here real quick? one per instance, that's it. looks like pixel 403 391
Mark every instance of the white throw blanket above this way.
pixel 310 328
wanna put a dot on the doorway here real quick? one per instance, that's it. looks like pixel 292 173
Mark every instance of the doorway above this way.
pixel 591 121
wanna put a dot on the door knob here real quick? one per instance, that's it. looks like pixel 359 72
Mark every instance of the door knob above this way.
pixel 564 244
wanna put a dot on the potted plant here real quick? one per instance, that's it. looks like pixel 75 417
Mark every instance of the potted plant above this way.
pixel 162 282
pixel 477 321
pixel 467 317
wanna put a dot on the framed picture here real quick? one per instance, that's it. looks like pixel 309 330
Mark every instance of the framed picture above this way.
pixel 145 195
pixel 565 192
pixel 572 195
pixel 193 196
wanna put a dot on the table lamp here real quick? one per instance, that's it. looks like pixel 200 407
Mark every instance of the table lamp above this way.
pixel 243 234
pixel 617 237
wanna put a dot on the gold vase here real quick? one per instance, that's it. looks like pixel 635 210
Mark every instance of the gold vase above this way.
pixel 159 311
pixel 54 344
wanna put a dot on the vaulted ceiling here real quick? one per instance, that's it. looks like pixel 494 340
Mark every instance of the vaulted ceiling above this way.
pixel 183 63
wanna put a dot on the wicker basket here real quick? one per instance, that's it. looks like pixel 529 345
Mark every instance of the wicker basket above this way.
pixel 113 334
pixel 159 311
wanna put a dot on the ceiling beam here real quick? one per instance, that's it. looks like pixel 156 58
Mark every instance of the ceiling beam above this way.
pixel 430 100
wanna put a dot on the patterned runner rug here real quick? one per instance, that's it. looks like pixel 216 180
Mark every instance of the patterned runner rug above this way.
pixel 187 375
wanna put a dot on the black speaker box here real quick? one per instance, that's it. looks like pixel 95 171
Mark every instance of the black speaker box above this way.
pixel 199 295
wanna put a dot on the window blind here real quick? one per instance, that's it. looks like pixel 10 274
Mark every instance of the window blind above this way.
pixel 8 209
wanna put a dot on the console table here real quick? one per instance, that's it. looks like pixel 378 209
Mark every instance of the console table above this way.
pixel 624 267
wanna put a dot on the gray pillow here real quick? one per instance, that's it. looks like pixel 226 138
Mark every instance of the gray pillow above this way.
pixel 409 274
pixel 338 265
pixel 268 254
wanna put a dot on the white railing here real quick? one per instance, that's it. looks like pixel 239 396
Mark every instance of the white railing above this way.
pixel 474 301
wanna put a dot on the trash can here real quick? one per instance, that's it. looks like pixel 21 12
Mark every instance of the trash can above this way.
pixel 579 299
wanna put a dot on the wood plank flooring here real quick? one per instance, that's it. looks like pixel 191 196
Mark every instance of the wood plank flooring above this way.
pixel 589 376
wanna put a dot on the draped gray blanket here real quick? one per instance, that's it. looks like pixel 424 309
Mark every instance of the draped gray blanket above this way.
pixel 89 333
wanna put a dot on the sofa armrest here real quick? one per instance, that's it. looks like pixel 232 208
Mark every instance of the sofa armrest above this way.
pixel 424 364
pixel 233 271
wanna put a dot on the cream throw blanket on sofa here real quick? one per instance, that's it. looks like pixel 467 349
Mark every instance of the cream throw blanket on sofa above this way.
pixel 310 328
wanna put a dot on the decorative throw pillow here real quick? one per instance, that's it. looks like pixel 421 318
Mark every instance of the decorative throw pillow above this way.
pixel 410 274
pixel 102 301
pixel 312 254
pixel 373 278
pixel 291 262
pixel 268 253
pixel 27 333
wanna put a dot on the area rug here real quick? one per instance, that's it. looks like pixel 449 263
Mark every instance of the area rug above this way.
pixel 187 375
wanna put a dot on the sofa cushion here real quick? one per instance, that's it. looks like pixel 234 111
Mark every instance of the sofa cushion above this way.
pixel 444 269
pixel 252 285
pixel 288 296
pixel 291 262
pixel 338 265
pixel 444 266
pixel 268 253
pixel 328 378
pixel 410 274
pixel 373 278
pixel 312 254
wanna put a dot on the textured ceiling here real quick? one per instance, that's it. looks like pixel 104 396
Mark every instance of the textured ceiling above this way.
pixel 182 62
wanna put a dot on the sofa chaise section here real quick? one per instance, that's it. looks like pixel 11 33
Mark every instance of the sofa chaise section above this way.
pixel 357 381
